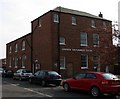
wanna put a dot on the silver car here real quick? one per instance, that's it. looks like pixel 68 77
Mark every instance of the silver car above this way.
pixel 22 74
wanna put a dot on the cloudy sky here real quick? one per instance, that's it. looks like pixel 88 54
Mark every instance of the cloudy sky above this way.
pixel 16 15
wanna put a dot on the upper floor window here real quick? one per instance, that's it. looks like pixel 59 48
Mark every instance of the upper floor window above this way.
pixel 83 39
pixel 23 45
pixel 104 25
pixel 95 39
pixel 56 18
pixel 23 61
pixel 16 47
pixel 62 62
pixel 84 61
pixel 93 24
pixel 10 62
pixel 74 20
pixel 39 22
pixel 16 62
pixel 10 49
pixel 62 41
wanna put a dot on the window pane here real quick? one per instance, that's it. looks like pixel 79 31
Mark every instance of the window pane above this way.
pixel 56 18
pixel 84 61
pixel 62 40
pixel 23 45
pixel 74 21
pixel 83 39
pixel 93 23
pixel 95 39
pixel 10 49
pixel 16 47
pixel 62 62
pixel 40 23
pixel 23 61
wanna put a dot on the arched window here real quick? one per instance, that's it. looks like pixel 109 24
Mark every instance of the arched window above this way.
pixel 16 47
pixel 10 62
pixel 23 61
pixel 16 62
pixel 10 49
pixel 23 45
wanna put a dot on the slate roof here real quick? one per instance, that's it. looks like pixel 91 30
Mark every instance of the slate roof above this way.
pixel 76 12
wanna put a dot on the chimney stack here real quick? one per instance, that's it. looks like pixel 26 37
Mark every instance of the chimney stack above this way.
pixel 100 15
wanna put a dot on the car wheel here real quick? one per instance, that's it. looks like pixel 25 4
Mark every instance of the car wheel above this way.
pixel 43 83
pixel 95 91
pixel 66 86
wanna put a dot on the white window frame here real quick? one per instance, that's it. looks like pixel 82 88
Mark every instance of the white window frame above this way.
pixel 62 58
pixel 62 41
pixel 83 39
pixel 85 60
pixel 74 20
pixel 56 18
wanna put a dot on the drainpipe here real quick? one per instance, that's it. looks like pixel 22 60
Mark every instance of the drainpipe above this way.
pixel 58 29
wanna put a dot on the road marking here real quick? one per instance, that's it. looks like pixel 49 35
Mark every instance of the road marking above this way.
pixel 14 84
pixel 30 90
pixel 38 92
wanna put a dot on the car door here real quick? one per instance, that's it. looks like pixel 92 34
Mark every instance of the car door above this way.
pixel 36 77
pixel 39 77
pixel 78 81
pixel 89 80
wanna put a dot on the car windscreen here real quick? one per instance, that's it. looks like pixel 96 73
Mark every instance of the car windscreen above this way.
pixel 109 76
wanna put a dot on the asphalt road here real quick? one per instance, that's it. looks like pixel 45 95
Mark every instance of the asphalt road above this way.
pixel 15 89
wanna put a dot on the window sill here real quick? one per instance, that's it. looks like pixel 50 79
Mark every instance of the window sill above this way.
pixel 84 67
pixel 62 44
pixel 93 26
pixel 62 68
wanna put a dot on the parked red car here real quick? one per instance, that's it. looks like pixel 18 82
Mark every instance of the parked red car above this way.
pixel 96 83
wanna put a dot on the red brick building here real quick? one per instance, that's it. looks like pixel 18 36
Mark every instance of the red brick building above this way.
pixel 67 41
pixel 3 63
pixel 18 54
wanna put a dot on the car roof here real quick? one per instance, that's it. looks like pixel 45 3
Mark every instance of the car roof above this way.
pixel 46 70
pixel 96 72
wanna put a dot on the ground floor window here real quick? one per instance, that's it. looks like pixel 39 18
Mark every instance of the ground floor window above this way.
pixel 10 62
pixel 23 61
pixel 16 62
pixel 84 61
pixel 62 62
pixel 96 63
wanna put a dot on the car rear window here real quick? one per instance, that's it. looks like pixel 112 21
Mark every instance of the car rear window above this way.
pixel 26 71
pixel 109 76
pixel 53 73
